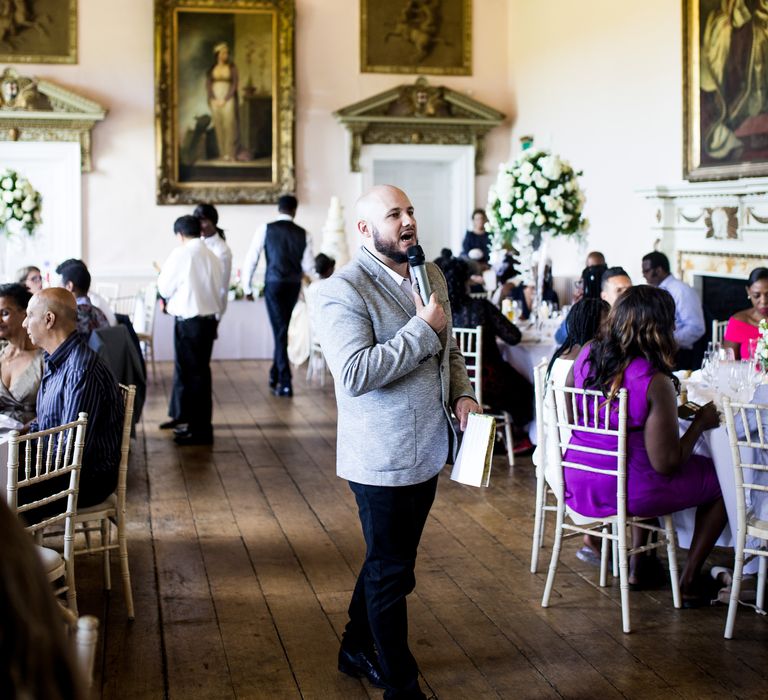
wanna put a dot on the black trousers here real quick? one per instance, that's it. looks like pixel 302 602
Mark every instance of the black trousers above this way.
pixel 280 298
pixel 192 395
pixel 392 518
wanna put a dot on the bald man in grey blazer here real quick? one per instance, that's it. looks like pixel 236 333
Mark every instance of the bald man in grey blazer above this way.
pixel 398 375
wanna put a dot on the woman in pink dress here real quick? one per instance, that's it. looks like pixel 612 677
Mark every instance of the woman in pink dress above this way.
pixel 636 351
pixel 743 325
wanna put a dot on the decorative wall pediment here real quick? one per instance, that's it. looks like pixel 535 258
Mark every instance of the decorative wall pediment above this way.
pixel 419 114
pixel 36 110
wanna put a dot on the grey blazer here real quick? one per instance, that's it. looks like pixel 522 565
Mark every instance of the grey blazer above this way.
pixel 396 379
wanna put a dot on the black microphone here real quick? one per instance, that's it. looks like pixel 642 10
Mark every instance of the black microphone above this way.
pixel 416 261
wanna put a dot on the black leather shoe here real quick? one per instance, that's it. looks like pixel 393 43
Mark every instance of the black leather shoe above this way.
pixel 272 383
pixel 360 664
pixel 193 439
pixel 283 390
pixel 181 429
pixel 173 423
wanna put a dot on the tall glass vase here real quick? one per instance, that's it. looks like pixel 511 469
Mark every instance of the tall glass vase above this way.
pixel 538 296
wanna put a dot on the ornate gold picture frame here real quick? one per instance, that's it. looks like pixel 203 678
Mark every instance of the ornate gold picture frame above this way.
pixel 38 31
pixel 725 82
pixel 224 100
pixel 416 36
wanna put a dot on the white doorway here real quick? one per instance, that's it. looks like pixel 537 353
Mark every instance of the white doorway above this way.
pixel 439 180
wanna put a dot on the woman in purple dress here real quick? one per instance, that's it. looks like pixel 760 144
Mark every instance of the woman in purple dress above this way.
pixel 636 351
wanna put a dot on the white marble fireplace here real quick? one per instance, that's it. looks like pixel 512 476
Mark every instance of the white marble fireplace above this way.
pixel 714 233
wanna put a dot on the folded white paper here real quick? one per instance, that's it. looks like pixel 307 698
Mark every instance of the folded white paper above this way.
pixel 473 463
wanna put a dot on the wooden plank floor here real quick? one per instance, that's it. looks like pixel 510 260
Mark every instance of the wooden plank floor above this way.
pixel 244 557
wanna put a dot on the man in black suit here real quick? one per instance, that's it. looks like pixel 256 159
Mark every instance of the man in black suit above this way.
pixel 288 252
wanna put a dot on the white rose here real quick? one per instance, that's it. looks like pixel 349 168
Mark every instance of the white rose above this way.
pixel 530 195
pixel 527 168
pixel 7 183
pixel 26 218
pixel 18 195
pixel 540 181
pixel 517 221
pixel 528 218
pixel 505 210
pixel 7 196
pixel 524 179
pixel 28 204
pixel 539 220
pixel 519 203
pixel 551 167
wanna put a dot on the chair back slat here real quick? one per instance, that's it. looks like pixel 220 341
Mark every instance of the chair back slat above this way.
pixel 746 436
pixel 129 396
pixel 470 343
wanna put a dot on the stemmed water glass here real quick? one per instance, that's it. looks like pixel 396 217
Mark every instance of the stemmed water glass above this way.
pixel 709 367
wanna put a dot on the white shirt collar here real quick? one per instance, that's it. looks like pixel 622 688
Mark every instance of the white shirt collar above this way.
pixel 397 278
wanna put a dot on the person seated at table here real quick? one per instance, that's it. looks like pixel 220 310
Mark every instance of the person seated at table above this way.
pixel 743 325
pixel 504 389
pixel 76 380
pixel 524 293
pixel 595 257
pixel 21 363
pixel 589 286
pixel 478 238
pixel 37 659
pixel 30 277
pixel 615 281
pixel 75 278
pixel 636 351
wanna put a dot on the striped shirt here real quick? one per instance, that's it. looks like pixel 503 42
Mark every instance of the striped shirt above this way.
pixel 75 380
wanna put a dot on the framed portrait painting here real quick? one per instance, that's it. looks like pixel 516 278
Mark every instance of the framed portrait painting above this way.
pixel 725 92
pixel 224 100
pixel 38 31
pixel 416 36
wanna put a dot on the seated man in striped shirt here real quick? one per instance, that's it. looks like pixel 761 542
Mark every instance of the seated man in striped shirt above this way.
pixel 75 379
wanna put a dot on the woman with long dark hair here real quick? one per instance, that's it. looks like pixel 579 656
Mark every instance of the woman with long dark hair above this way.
pixel 504 389
pixel 636 351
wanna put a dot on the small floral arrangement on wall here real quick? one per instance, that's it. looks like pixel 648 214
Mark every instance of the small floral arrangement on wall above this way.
pixel 537 194
pixel 20 204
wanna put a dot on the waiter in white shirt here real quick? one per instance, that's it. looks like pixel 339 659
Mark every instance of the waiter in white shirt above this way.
pixel 190 283
pixel 288 250
pixel 214 239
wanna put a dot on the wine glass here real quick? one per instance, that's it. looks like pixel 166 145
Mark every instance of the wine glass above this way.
pixel 709 368
pixel 725 354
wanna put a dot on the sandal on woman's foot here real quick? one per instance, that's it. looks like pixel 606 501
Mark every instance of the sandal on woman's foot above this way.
pixel 588 556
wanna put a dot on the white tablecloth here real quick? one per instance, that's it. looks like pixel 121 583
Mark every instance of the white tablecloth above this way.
pixel 526 355
pixel 244 333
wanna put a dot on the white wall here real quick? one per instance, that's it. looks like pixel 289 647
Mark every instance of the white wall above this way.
pixel 125 231
pixel 600 82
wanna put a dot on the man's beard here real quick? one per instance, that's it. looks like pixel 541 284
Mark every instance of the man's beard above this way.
pixel 390 250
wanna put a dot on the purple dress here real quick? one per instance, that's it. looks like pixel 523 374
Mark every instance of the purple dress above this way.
pixel 648 492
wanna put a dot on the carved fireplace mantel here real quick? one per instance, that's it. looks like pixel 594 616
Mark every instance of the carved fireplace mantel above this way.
pixel 419 114
pixel 711 228
pixel 36 110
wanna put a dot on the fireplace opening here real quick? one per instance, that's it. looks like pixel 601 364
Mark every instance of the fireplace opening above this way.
pixel 721 296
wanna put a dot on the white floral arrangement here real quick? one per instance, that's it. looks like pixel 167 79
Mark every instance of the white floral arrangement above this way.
pixel 20 204
pixel 761 351
pixel 537 193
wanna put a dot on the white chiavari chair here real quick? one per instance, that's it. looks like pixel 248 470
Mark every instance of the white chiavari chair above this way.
pixel 543 492
pixel 578 403
pixel 144 324
pixel 56 453
pixel 103 517
pixel 747 426
pixel 718 331
pixel 470 342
